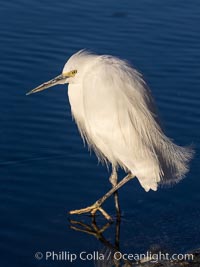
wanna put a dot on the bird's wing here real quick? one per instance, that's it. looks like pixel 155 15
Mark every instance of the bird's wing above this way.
pixel 122 125
pixel 118 117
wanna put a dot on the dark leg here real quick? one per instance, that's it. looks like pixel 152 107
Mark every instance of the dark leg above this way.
pixel 113 179
pixel 97 205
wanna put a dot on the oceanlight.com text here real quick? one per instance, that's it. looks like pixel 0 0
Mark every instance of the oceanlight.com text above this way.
pixel 153 257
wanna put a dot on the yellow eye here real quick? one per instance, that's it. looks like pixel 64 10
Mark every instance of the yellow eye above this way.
pixel 74 71
pixel 70 74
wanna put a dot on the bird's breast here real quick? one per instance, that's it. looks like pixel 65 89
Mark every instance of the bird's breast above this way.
pixel 76 101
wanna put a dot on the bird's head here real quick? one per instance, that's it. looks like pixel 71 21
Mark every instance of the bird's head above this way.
pixel 73 71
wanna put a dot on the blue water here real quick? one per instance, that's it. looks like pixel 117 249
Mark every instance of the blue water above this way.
pixel 45 170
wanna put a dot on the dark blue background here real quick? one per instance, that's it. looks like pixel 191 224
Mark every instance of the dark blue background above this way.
pixel 44 169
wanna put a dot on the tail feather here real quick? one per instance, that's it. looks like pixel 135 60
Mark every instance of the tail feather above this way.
pixel 169 165
pixel 174 161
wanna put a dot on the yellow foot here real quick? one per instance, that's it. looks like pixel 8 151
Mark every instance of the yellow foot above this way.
pixel 92 209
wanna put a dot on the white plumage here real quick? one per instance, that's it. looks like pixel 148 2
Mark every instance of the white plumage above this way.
pixel 115 114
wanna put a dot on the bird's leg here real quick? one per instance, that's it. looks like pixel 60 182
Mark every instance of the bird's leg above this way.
pixel 97 205
pixel 113 179
pixel 127 178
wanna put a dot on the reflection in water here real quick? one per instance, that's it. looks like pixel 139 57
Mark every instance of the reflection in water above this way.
pixel 112 256
pixel 110 250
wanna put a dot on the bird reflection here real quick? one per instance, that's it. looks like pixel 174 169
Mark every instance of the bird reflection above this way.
pixel 112 255
pixel 110 250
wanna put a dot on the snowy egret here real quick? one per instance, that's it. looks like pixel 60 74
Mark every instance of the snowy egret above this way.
pixel 115 114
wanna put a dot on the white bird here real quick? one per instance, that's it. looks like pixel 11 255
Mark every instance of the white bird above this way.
pixel 115 114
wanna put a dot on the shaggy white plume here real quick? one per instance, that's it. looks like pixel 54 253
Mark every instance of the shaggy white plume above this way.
pixel 115 114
